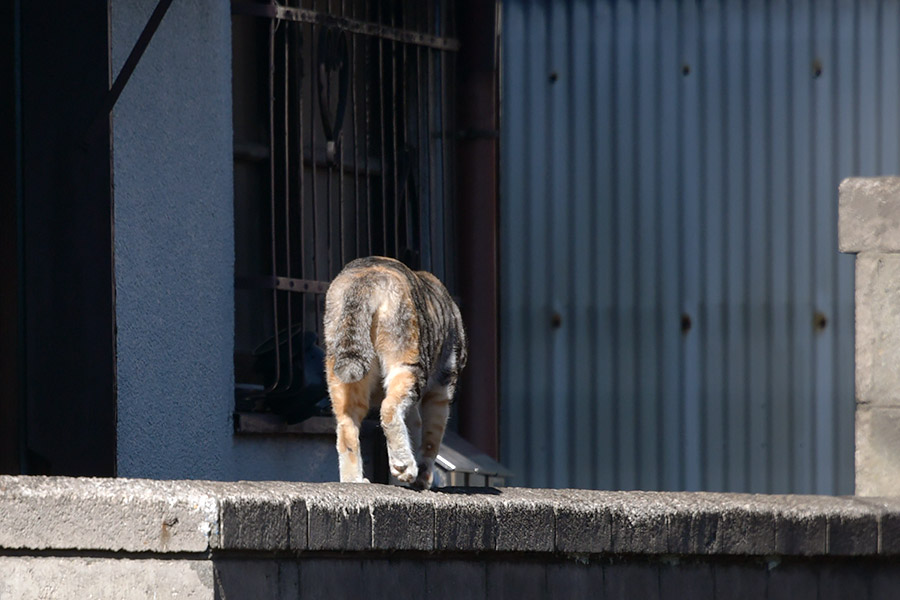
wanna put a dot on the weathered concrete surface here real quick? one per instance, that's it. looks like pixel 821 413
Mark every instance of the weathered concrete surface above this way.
pixel 114 515
pixel 135 515
pixel 869 215
pixel 108 538
pixel 100 578
pixel 877 450
pixel 869 225
pixel 878 328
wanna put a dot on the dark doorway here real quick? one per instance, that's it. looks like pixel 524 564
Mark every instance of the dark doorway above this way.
pixel 57 400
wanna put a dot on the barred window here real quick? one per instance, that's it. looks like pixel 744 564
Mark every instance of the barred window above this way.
pixel 341 149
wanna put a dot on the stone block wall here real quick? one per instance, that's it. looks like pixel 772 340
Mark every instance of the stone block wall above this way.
pixel 127 538
pixel 869 226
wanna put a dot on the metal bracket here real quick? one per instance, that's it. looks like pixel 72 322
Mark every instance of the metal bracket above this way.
pixel 134 57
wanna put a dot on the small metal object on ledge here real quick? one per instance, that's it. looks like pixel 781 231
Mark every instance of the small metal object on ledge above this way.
pixel 462 464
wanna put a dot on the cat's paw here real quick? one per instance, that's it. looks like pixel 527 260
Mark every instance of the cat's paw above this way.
pixel 404 470
pixel 355 480
pixel 424 480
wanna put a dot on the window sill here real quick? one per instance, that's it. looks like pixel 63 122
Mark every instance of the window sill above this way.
pixel 253 423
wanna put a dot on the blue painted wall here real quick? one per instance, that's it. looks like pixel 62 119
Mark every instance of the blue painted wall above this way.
pixel 174 255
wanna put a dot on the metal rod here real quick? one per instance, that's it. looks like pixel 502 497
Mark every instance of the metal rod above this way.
pixel 384 193
pixel 429 141
pixel 367 130
pixel 377 30
pixel 297 30
pixel 274 383
pixel 341 216
pixel 396 155
pixel 134 57
pixel 287 203
pixel 286 284
pixel 312 134
pixel 357 209
pixel 444 149
pixel 422 150
pixel 298 92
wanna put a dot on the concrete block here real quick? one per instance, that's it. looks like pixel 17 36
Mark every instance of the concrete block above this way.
pixel 583 522
pixel 740 581
pixel 878 329
pixel 252 517
pixel 888 509
pixel 869 214
pixel 794 582
pixel 638 522
pixel 256 578
pixel 841 581
pixel 877 450
pixel 525 520
pixel 135 515
pixel 853 530
pixel 801 526
pixel 684 579
pixel 386 577
pixel 885 581
pixel 624 581
pixel 332 578
pixel 514 580
pixel 455 579
pixel 713 523
pixel 340 517
pixel 68 577
pixel 402 519
pixel 575 579
pixel 463 521
pixel 746 526
pixel 287 496
pixel 889 534
pixel 692 523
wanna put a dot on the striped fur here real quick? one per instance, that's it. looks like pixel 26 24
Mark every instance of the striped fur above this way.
pixel 393 337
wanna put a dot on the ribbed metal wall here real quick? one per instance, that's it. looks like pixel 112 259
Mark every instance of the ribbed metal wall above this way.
pixel 675 314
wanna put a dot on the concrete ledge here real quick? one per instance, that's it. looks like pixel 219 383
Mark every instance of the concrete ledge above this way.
pixel 869 215
pixel 123 579
pixel 114 515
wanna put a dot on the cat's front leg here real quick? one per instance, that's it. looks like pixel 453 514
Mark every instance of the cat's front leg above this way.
pixel 435 409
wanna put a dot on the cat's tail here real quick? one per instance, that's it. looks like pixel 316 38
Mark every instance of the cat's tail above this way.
pixel 348 335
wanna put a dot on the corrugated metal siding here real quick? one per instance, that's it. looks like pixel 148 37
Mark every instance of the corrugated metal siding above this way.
pixel 666 162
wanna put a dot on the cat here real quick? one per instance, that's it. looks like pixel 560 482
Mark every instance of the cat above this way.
pixel 393 337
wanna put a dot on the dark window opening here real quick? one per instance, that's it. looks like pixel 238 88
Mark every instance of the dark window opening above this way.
pixel 342 114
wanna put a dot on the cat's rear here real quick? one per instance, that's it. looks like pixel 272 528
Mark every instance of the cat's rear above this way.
pixel 395 336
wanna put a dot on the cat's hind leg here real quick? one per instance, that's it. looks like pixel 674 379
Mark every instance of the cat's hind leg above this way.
pixel 350 403
pixel 435 409
pixel 414 427
pixel 401 389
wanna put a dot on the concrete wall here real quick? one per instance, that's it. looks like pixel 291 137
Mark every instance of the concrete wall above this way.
pixel 870 228
pixel 117 538
pixel 174 255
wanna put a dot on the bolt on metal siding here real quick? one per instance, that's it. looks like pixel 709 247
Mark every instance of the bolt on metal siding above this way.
pixel 674 310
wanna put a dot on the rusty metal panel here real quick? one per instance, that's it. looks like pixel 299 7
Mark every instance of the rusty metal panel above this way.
pixel 674 311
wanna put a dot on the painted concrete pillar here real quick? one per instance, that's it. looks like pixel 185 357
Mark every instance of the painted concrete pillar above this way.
pixel 869 226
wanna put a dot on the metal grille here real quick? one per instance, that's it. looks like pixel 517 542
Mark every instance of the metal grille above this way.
pixel 341 119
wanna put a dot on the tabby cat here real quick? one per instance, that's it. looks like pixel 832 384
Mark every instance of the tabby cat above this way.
pixel 395 337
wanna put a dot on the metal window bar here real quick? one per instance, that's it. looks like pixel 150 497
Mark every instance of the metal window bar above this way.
pixel 342 116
